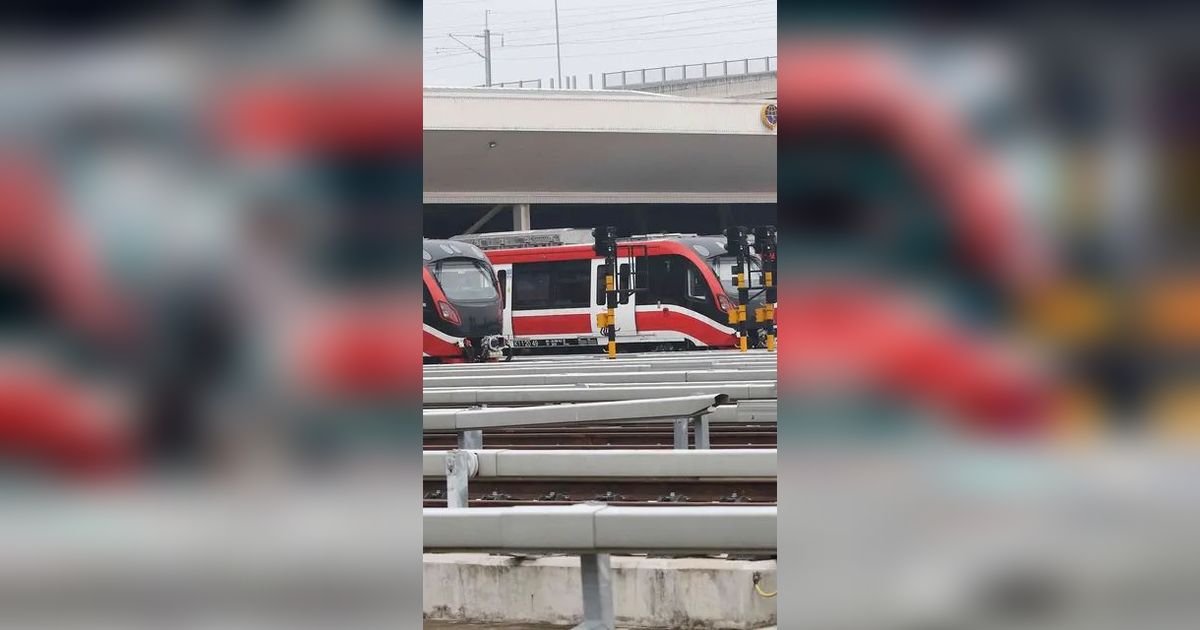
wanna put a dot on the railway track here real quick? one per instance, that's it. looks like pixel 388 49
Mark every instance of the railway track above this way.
pixel 743 419
pixel 642 436
pixel 605 447
pixel 441 503
pixel 542 491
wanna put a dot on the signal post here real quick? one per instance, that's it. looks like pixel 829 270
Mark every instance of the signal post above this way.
pixel 766 242
pixel 606 246
pixel 735 238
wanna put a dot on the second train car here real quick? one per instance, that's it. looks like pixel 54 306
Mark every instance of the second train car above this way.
pixel 462 305
pixel 553 289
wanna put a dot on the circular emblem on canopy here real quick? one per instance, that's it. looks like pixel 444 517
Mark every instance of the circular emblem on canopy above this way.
pixel 770 115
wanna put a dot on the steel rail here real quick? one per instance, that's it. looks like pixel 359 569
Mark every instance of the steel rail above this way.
pixel 581 413
pixel 598 528
pixel 581 378
pixel 630 367
pixel 506 463
pixel 523 395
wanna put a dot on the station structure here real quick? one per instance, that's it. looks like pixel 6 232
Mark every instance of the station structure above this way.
pixel 515 148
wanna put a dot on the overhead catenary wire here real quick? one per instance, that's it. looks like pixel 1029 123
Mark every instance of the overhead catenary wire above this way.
pixel 670 49
pixel 591 10
pixel 450 52
pixel 686 28
pixel 582 36
pixel 603 25
pixel 618 20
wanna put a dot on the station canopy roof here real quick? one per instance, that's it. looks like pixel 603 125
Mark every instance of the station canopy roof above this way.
pixel 498 146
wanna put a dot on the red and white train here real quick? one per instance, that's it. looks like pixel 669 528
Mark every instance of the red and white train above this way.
pixel 553 288
pixel 462 305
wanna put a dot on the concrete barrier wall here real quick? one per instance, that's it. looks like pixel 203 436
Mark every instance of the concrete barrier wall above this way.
pixel 693 593
pixel 752 86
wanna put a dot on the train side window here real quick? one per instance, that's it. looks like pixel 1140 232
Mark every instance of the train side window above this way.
pixel 625 277
pixel 665 279
pixel 544 285
pixel 601 294
pixel 697 287
pixel 572 281
pixel 502 285
pixel 531 287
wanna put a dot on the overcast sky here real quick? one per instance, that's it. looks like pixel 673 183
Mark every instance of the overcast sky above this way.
pixel 597 36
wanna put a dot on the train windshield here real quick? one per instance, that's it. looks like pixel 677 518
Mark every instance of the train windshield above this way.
pixel 724 265
pixel 464 280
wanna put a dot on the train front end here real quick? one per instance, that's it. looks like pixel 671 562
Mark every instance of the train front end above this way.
pixel 715 252
pixel 463 305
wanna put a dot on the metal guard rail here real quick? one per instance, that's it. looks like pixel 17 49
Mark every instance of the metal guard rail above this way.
pixel 592 528
pixel 579 378
pixel 647 76
pixel 512 463
pixel 582 413
pixel 524 395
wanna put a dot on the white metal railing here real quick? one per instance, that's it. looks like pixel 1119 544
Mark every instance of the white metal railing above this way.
pixel 597 412
pixel 657 75
pixel 580 378
pixel 647 365
pixel 689 72
pixel 536 83
pixel 599 528
pixel 459 466
pixel 502 463
pixel 684 411
pixel 524 395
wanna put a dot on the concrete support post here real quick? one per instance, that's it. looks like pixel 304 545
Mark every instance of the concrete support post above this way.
pixel 591 82
pixel 521 216
pixel 596 579
pixel 681 434
pixel 458 474
pixel 470 439
pixel 701 424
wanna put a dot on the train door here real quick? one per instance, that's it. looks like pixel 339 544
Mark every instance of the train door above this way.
pixel 504 281
pixel 626 313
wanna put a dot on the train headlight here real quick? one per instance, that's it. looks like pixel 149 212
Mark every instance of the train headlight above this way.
pixel 449 313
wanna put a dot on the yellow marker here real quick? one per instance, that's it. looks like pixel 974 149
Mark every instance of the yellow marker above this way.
pixel 767 279
pixel 612 349
pixel 739 281
pixel 742 343
pixel 770 343
pixel 609 284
